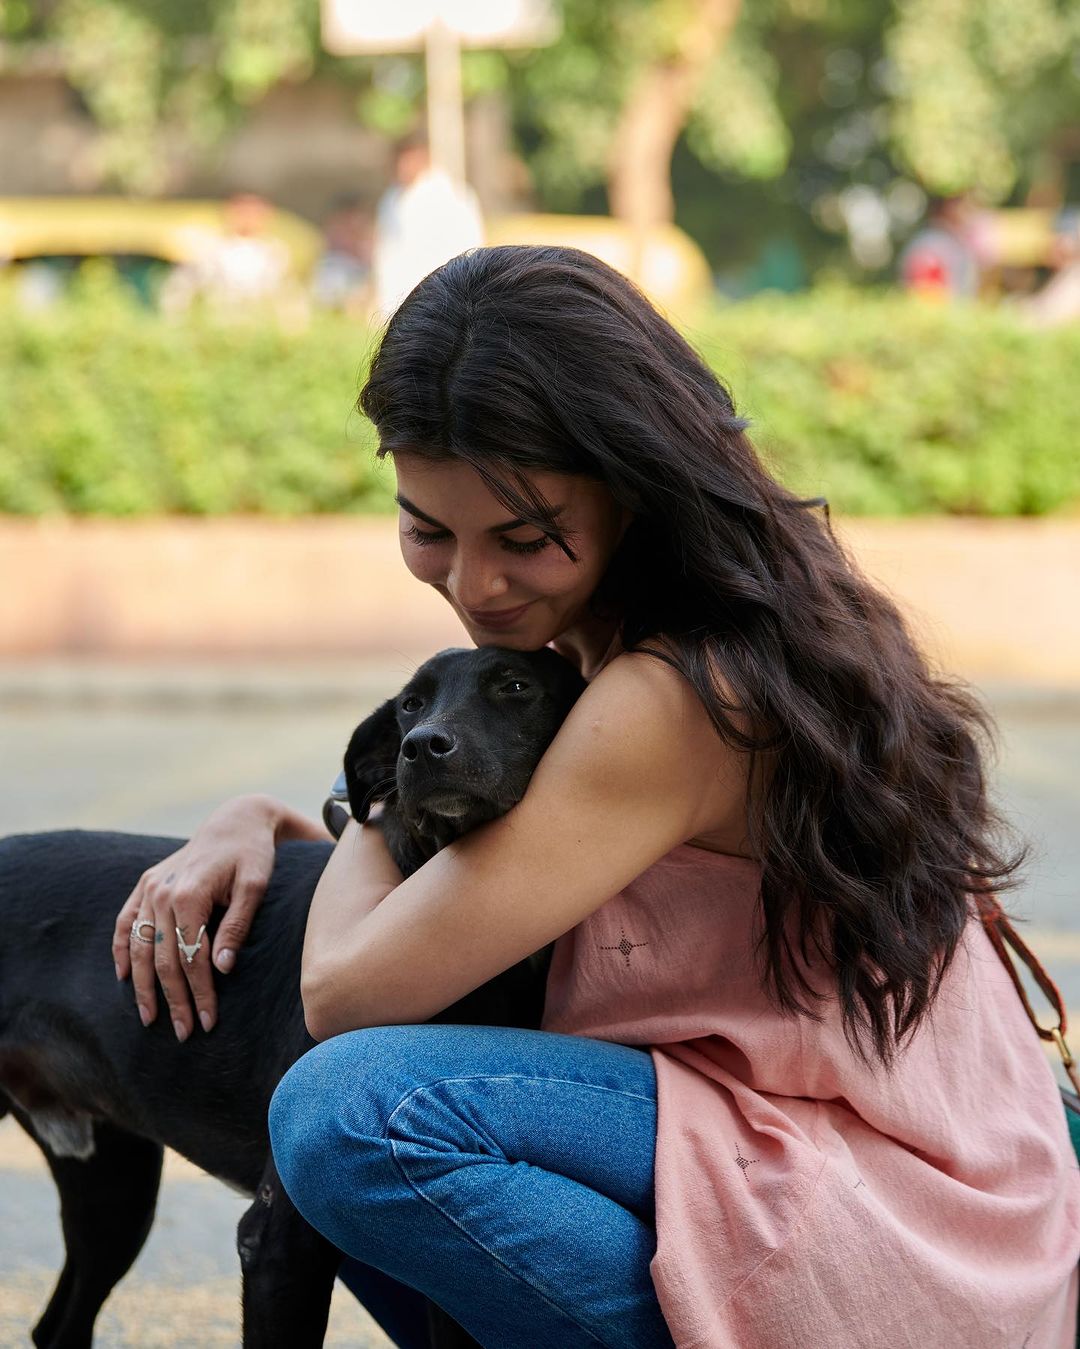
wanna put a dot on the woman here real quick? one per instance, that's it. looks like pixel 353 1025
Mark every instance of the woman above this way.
pixel 784 1092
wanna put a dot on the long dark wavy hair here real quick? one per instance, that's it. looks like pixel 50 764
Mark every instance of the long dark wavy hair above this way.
pixel 875 830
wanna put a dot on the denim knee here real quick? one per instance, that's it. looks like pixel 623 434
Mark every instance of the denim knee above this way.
pixel 327 1119
pixel 307 1133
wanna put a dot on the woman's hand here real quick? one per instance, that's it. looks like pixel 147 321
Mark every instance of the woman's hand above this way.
pixel 227 861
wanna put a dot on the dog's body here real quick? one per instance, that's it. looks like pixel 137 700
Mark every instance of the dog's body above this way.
pixel 102 1095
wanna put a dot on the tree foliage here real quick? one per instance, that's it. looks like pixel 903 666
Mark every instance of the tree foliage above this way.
pixel 156 72
pixel 106 408
pixel 980 86
pixel 957 94
pixel 570 95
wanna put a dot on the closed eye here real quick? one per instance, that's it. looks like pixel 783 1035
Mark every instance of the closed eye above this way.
pixel 428 536
pixel 425 535
pixel 528 546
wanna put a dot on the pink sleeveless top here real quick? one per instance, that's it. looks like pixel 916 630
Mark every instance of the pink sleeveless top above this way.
pixel 801 1198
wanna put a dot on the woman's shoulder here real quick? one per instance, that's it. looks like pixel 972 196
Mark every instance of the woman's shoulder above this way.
pixel 646 708
pixel 665 711
pixel 656 665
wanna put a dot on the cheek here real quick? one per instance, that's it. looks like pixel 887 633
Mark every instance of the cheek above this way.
pixel 549 573
pixel 425 562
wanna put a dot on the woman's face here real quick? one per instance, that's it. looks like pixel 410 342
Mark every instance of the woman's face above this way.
pixel 509 584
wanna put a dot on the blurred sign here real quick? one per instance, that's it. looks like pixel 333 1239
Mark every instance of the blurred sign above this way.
pixel 352 27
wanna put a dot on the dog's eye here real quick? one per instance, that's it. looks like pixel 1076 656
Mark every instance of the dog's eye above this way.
pixel 412 703
pixel 514 686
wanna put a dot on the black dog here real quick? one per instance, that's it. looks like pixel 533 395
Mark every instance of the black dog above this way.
pixel 102 1095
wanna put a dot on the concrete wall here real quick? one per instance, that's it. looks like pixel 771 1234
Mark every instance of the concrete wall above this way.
pixel 992 600
pixel 301 146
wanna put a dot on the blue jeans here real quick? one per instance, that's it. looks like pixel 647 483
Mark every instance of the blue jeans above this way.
pixel 507 1174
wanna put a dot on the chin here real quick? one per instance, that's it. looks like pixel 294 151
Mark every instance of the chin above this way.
pixel 513 641
pixel 530 636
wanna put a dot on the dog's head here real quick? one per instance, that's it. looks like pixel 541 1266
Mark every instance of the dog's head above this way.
pixel 458 744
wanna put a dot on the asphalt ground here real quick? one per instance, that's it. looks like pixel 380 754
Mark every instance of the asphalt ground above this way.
pixel 155 750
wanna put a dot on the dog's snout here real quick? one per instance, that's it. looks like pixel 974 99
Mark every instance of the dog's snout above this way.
pixel 427 740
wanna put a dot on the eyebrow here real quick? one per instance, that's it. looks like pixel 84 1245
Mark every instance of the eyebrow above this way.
pixel 495 529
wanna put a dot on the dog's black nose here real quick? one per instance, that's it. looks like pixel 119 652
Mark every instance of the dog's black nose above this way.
pixel 434 743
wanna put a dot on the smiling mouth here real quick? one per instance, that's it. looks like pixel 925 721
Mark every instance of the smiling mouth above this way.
pixel 497 616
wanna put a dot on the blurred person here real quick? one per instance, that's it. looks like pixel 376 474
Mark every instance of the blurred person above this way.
pixel 342 276
pixel 42 282
pixel 757 1112
pixel 1057 301
pixel 945 259
pixel 234 270
pixel 423 219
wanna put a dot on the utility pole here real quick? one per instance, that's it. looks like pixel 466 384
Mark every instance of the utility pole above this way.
pixel 439 28
pixel 445 104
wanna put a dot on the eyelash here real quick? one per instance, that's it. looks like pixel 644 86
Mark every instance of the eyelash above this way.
pixel 423 536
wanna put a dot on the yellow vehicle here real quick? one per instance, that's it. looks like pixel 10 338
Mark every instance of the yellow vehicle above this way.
pixel 668 265
pixel 143 237
pixel 1029 237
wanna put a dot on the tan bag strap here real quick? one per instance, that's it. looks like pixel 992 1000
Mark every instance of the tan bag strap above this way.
pixel 1001 932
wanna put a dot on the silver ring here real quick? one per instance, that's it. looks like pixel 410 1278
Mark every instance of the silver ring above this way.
pixel 190 952
pixel 140 923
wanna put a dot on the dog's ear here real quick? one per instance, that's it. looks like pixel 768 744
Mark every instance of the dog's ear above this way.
pixel 371 760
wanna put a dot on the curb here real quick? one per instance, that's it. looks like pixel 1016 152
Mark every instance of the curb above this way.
pixel 88 683
pixel 179 684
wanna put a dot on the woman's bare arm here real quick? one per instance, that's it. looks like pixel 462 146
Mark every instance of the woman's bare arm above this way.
pixel 636 769
pixel 292 825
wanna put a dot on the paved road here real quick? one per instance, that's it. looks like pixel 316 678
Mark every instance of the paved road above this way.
pixel 129 761
pixel 104 761
pixel 85 759
pixel 183 1291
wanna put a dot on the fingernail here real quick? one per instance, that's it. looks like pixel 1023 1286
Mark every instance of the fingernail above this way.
pixel 225 960
pixel 204 1017
pixel 144 1015
pixel 181 1030
pixel 117 969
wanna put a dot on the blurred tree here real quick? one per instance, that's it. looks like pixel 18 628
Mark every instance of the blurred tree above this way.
pixel 773 115
pixel 627 78
pixel 981 87
pixel 804 113
pixel 785 111
pixel 154 71
pixel 609 99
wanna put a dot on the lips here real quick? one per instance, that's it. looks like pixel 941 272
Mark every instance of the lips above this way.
pixel 497 618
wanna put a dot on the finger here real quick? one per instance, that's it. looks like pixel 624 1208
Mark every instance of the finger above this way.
pixel 167 961
pixel 121 940
pixel 143 978
pixel 191 920
pixel 248 890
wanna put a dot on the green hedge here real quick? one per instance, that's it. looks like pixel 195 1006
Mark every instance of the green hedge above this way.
pixel 883 405
pixel 108 409
pixel 893 406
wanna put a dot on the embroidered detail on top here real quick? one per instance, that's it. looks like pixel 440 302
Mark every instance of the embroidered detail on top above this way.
pixel 744 1162
pixel 624 945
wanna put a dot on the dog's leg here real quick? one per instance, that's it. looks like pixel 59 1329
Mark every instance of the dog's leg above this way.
pixel 288 1271
pixel 107 1202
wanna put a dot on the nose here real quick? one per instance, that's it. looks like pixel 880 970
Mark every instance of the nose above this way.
pixel 430 741
pixel 475 582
